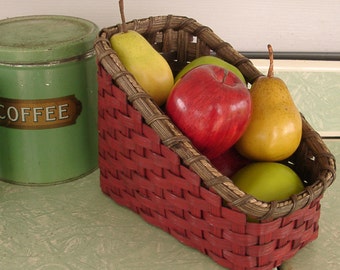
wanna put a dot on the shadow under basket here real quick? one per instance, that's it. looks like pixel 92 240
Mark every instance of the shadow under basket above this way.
pixel 149 166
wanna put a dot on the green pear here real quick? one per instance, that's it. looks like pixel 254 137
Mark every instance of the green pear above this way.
pixel 275 127
pixel 148 66
pixel 212 60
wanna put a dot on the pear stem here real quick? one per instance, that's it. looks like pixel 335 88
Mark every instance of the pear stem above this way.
pixel 122 15
pixel 271 61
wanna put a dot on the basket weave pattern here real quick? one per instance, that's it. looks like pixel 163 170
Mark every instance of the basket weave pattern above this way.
pixel 148 165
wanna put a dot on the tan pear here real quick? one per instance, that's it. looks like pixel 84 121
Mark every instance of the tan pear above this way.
pixel 146 64
pixel 275 128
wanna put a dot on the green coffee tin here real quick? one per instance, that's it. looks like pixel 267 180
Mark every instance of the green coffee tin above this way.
pixel 48 99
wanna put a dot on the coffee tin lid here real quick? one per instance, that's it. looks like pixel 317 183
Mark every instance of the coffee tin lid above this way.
pixel 44 38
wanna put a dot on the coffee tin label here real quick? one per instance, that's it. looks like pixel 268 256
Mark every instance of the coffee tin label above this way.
pixel 39 113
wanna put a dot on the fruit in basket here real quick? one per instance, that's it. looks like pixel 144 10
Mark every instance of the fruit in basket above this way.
pixel 229 162
pixel 212 107
pixel 212 60
pixel 147 65
pixel 275 128
pixel 268 181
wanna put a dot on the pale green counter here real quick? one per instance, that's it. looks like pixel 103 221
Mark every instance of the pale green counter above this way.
pixel 75 226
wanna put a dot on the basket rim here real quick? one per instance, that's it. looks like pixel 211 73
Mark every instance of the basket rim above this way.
pixel 181 145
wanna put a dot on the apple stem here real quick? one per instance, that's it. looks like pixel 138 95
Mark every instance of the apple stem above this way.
pixel 271 61
pixel 122 15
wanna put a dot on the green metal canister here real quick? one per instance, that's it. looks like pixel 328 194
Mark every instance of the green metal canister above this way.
pixel 48 99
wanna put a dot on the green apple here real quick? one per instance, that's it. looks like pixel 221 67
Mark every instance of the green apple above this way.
pixel 268 181
pixel 212 60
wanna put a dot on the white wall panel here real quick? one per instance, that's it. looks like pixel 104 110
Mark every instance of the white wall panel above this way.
pixel 291 25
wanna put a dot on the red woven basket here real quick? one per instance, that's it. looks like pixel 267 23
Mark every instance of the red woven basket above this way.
pixel 149 166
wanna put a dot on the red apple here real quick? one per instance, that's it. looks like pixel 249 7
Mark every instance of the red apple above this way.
pixel 230 162
pixel 212 107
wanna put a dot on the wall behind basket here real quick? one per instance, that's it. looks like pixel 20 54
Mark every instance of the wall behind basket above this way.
pixel 291 25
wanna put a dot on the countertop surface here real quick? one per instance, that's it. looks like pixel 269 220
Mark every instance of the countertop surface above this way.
pixel 75 226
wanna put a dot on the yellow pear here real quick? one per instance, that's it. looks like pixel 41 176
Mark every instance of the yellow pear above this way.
pixel 275 128
pixel 147 65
